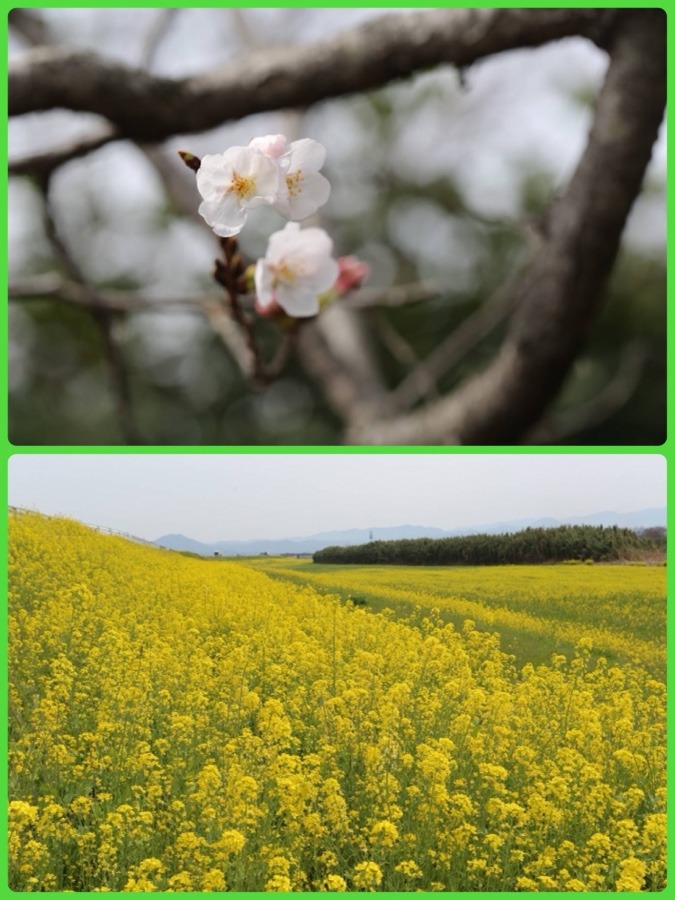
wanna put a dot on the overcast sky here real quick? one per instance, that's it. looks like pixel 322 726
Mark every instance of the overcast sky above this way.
pixel 233 496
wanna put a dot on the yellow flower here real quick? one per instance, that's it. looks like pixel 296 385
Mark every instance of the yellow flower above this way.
pixel 213 880
pixel 367 876
pixel 334 883
pixel 631 874
pixel 280 883
pixel 409 868
pixel 182 881
pixel 384 833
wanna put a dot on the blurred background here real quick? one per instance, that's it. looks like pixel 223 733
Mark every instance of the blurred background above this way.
pixel 438 182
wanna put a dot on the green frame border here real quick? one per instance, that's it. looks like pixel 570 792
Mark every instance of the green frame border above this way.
pixel 9 450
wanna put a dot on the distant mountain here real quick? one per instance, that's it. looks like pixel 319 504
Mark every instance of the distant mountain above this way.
pixel 642 518
pixel 297 545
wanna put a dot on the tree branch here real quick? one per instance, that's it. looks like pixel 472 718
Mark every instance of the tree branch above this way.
pixel 42 165
pixel 344 392
pixel 158 31
pixel 396 295
pixel 148 108
pixel 450 352
pixel 31 27
pixel 53 287
pixel 561 290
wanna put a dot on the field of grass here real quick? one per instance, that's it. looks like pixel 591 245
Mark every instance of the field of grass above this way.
pixel 537 610
pixel 179 724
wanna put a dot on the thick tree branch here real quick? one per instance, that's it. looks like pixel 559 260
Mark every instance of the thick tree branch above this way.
pixel 31 27
pixel 149 108
pixel 560 292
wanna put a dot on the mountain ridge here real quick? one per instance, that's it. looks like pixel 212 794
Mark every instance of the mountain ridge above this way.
pixel 643 518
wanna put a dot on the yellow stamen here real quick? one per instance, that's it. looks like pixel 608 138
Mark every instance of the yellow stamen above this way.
pixel 283 272
pixel 242 186
pixel 293 183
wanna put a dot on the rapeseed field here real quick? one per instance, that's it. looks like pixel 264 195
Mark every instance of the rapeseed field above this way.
pixel 537 609
pixel 179 724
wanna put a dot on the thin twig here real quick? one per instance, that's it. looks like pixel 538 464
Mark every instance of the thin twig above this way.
pixel 158 31
pixel 423 380
pixel 394 296
pixel 230 334
pixel 42 165
pixel 53 286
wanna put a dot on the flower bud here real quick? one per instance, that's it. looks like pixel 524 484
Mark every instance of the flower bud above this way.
pixel 352 272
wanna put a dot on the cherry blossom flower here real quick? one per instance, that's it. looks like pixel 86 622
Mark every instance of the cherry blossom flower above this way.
pixel 233 182
pixel 302 188
pixel 296 270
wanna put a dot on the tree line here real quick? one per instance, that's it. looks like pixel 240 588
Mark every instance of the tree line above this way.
pixel 532 545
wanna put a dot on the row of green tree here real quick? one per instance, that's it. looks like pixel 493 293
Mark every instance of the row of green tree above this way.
pixel 533 545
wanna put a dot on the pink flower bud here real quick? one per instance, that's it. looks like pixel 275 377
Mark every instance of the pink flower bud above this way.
pixel 272 145
pixel 271 311
pixel 352 272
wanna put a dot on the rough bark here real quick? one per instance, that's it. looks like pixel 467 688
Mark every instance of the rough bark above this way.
pixel 562 289
pixel 145 107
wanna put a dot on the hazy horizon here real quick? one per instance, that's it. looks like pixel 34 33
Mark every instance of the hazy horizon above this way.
pixel 258 496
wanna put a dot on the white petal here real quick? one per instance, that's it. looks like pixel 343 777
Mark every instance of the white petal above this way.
pixel 314 192
pixel 254 202
pixel 324 277
pixel 263 284
pixel 281 201
pixel 240 158
pixel 214 176
pixel 282 242
pixel 266 175
pixel 309 248
pixel 307 155
pixel 224 214
pixel 260 166
pixel 298 300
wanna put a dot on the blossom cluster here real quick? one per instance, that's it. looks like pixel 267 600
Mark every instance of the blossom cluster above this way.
pixel 298 271
pixel 268 171
pixel 180 725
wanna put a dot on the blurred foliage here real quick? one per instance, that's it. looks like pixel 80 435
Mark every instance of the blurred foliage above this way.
pixel 410 225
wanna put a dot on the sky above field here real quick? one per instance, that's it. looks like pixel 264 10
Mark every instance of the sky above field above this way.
pixel 241 497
